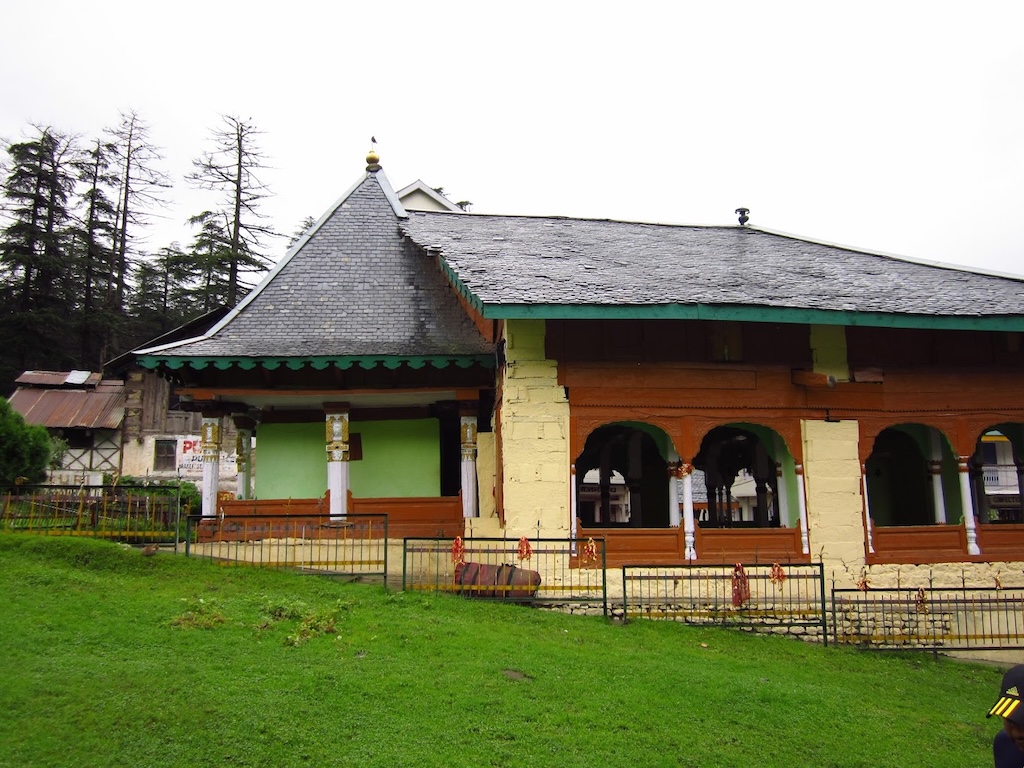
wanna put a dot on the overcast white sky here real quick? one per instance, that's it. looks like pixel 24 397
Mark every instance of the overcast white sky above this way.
pixel 892 126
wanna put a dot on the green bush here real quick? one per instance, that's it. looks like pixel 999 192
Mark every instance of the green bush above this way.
pixel 25 450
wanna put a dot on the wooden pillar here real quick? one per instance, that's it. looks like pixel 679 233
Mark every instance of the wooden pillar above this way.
pixel 805 544
pixel 967 502
pixel 211 463
pixel 467 437
pixel 337 423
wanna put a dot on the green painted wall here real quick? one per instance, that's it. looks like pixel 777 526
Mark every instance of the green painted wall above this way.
pixel 400 458
pixel 291 461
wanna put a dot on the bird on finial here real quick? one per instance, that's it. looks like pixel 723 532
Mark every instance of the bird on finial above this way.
pixel 372 158
pixel 743 215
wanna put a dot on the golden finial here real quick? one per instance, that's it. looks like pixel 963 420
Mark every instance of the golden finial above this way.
pixel 372 158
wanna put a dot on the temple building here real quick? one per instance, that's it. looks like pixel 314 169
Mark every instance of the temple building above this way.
pixel 689 393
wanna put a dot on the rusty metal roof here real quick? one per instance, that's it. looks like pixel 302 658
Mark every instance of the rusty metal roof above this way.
pixel 59 378
pixel 98 407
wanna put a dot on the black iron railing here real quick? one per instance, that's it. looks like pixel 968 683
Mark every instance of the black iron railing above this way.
pixel 351 545
pixel 787 599
pixel 564 573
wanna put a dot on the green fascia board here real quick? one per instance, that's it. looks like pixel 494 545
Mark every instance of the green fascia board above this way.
pixel 750 314
pixel 344 362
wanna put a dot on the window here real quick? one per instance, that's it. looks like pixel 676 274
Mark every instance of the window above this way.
pixel 165 456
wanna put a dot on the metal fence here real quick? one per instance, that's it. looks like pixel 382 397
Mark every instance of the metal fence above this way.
pixel 565 573
pixel 785 599
pixel 353 545
pixel 131 514
pixel 930 618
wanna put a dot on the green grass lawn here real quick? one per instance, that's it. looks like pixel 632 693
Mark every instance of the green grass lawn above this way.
pixel 115 659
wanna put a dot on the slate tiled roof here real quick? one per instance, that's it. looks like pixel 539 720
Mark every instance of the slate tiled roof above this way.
pixel 354 288
pixel 517 260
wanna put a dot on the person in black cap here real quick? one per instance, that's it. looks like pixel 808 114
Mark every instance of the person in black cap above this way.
pixel 1008 746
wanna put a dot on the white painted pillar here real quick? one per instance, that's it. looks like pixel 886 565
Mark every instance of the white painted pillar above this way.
pixel 689 541
pixel 935 468
pixel 574 510
pixel 211 463
pixel 337 423
pixel 673 489
pixel 467 432
pixel 868 525
pixel 801 497
pixel 781 485
pixel 967 501
pixel 243 463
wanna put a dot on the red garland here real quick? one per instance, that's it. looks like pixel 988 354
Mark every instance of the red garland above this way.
pixel 740 586
pixel 777 575
pixel 458 551
pixel 524 551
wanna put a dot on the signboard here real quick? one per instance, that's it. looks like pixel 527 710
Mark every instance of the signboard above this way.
pixel 190 458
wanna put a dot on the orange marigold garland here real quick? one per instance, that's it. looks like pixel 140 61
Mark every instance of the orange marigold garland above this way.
pixel 588 556
pixel 921 602
pixel 458 551
pixel 740 586
pixel 777 575
pixel 524 550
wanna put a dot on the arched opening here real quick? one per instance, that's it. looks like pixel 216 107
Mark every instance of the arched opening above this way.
pixel 622 477
pixel 740 465
pixel 911 478
pixel 996 468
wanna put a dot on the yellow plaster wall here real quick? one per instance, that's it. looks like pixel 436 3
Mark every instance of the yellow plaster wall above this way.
pixel 835 514
pixel 534 436
pixel 828 351
pixel 832 481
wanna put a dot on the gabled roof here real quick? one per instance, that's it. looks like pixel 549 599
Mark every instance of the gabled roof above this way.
pixel 520 266
pixel 351 290
pixel 85 403
pixel 419 197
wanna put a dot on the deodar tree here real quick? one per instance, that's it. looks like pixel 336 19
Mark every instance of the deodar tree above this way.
pixel 35 278
pixel 232 169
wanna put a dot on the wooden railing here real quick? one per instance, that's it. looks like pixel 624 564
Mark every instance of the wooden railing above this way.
pixel 750 545
pixel 919 544
pixel 411 516
pixel 416 517
pixel 1001 541
pixel 655 546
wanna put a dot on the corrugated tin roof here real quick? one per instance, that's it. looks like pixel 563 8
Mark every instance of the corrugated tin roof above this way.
pixel 98 408
pixel 59 378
